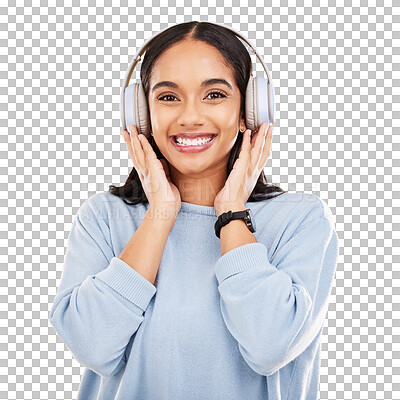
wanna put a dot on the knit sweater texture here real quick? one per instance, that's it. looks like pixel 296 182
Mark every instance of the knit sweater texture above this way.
pixel 245 325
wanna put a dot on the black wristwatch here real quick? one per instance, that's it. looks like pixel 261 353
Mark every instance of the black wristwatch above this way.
pixel 229 216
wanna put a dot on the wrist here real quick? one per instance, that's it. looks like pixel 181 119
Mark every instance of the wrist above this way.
pixel 165 216
pixel 229 207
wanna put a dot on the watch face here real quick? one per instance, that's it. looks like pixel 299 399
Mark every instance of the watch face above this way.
pixel 253 222
pixel 249 221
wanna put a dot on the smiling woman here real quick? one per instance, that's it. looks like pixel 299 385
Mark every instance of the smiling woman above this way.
pixel 194 77
pixel 210 284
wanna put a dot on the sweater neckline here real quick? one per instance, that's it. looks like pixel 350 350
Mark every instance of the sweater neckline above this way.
pixel 197 209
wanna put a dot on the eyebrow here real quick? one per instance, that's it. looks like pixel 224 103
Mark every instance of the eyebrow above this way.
pixel 207 82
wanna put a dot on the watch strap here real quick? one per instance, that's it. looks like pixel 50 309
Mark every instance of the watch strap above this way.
pixel 229 216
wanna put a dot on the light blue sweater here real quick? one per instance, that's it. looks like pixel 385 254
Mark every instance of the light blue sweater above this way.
pixel 246 325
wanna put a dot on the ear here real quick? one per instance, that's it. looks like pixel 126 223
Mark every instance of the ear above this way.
pixel 242 122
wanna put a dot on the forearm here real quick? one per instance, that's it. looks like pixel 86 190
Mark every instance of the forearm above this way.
pixel 235 233
pixel 144 250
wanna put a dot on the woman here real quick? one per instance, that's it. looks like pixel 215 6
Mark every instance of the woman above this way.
pixel 151 301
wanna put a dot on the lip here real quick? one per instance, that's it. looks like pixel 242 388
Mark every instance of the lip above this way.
pixel 193 149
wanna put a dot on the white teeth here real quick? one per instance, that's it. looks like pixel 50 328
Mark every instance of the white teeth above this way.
pixel 195 142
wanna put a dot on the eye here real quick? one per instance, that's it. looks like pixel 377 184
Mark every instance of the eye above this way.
pixel 167 95
pixel 220 96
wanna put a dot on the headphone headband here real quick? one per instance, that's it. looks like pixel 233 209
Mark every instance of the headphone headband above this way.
pixel 144 47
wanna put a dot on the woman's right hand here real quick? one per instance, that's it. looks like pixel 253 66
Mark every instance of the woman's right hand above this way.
pixel 154 174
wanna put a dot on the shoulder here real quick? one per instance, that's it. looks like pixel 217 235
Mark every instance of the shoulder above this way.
pixel 289 212
pixel 105 206
pixel 307 206
pixel 96 205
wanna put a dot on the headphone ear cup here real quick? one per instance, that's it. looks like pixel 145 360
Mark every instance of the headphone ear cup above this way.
pixel 258 107
pixel 136 110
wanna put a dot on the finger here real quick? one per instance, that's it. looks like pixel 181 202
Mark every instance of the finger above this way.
pixel 137 147
pixel 267 147
pixel 258 146
pixel 147 149
pixel 166 168
pixel 257 135
pixel 246 145
pixel 263 137
pixel 127 139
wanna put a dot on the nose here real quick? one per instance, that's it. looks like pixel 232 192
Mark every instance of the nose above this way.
pixel 191 114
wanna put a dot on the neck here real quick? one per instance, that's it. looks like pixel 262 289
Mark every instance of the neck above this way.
pixel 200 188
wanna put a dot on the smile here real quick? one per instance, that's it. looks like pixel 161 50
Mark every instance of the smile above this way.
pixel 192 146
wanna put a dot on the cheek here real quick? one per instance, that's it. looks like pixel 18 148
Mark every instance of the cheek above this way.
pixel 228 116
pixel 162 119
pixel 233 120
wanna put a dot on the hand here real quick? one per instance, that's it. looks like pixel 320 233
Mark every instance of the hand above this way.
pixel 154 174
pixel 246 170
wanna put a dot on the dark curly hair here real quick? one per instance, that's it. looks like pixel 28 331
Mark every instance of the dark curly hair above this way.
pixel 236 55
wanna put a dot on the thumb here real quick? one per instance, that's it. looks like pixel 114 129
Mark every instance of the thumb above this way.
pixel 166 169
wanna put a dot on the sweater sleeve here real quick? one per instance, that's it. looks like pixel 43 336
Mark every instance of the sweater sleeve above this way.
pixel 100 301
pixel 275 306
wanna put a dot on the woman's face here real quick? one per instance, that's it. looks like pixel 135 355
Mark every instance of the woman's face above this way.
pixel 187 104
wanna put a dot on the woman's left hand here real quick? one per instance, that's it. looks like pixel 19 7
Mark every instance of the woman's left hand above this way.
pixel 246 170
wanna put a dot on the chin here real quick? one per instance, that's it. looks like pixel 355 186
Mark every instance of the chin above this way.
pixel 195 168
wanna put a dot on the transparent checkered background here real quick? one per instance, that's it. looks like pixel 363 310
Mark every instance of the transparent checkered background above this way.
pixel 337 105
